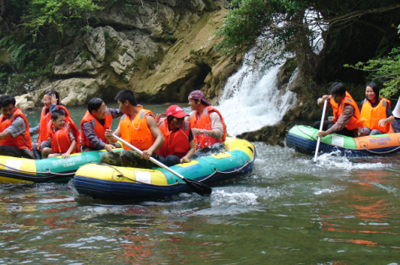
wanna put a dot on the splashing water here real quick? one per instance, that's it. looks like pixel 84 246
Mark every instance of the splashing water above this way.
pixel 251 99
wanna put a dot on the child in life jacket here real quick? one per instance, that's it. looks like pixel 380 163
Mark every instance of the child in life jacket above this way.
pixel 60 136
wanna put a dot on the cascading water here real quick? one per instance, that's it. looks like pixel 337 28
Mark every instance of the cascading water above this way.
pixel 251 98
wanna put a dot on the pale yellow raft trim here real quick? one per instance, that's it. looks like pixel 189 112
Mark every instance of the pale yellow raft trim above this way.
pixel 111 173
pixel 27 166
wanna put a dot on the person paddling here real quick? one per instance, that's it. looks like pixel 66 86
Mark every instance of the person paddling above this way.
pixel 179 144
pixel 15 139
pixel 94 123
pixel 207 124
pixel 139 128
pixel 346 115
pixel 376 113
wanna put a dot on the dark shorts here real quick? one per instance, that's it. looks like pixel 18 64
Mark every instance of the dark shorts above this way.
pixel 6 150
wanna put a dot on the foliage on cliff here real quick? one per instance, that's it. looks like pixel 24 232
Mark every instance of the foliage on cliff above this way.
pixel 352 31
pixel 30 32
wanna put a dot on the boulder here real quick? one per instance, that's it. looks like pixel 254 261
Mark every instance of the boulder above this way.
pixel 24 101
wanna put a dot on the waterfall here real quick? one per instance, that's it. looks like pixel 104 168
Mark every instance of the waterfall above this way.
pixel 251 99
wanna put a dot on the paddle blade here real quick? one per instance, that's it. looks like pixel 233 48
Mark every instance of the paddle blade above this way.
pixel 198 187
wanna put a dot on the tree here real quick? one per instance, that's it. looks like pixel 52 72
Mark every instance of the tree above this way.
pixel 385 69
pixel 352 31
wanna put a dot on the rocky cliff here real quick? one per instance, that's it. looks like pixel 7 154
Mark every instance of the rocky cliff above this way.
pixel 160 49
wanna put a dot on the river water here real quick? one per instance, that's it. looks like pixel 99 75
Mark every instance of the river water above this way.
pixel 340 210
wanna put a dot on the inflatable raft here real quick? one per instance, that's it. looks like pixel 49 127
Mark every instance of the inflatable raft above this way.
pixel 107 182
pixel 56 169
pixel 304 139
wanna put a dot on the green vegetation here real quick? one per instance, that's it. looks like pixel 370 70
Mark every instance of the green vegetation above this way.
pixel 385 69
pixel 352 31
pixel 31 31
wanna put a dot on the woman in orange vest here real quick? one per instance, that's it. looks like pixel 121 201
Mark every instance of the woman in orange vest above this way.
pixel 15 139
pixel 346 115
pixel 179 144
pixel 62 135
pixel 376 113
pixel 94 123
pixel 51 102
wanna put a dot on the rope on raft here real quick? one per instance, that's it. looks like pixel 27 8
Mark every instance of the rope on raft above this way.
pixel 365 147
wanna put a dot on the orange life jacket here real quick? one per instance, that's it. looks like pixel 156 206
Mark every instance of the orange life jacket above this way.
pixel 176 143
pixel 371 116
pixel 98 128
pixel 22 141
pixel 354 121
pixel 137 132
pixel 44 123
pixel 204 122
pixel 60 140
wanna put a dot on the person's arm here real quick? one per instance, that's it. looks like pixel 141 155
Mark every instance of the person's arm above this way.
pixel 90 134
pixel 115 113
pixel 16 128
pixel 217 130
pixel 72 147
pixel 321 100
pixel 34 130
pixel 109 137
pixel 389 115
pixel 348 112
pixel 190 153
pixel 157 134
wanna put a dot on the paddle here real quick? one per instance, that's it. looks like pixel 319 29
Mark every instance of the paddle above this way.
pixel 196 186
pixel 320 129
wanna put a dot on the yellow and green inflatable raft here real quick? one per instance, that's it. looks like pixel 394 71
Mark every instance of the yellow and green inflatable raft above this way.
pixel 107 182
pixel 56 169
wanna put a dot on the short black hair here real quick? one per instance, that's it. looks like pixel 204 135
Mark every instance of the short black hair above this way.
pixel 374 87
pixel 125 95
pixel 6 101
pixel 51 92
pixel 94 104
pixel 338 89
pixel 57 113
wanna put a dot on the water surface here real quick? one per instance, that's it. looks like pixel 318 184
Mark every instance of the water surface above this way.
pixel 288 211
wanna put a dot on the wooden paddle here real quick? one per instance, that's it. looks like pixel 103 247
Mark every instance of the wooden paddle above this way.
pixel 320 129
pixel 196 186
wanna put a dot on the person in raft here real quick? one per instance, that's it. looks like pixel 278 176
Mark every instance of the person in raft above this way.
pixel 376 113
pixel 346 115
pixel 207 124
pixel 62 135
pixel 15 139
pixel 51 102
pixel 179 144
pixel 94 123
pixel 139 128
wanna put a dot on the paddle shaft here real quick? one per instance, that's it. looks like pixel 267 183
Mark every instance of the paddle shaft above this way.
pixel 155 161
pixel 320 129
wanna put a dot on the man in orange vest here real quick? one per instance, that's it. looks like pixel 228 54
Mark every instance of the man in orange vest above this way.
pixel 179 144
pixel 207 124
pixel 15 138
pixel 139 128
pixel 94 123
pixel 346 115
